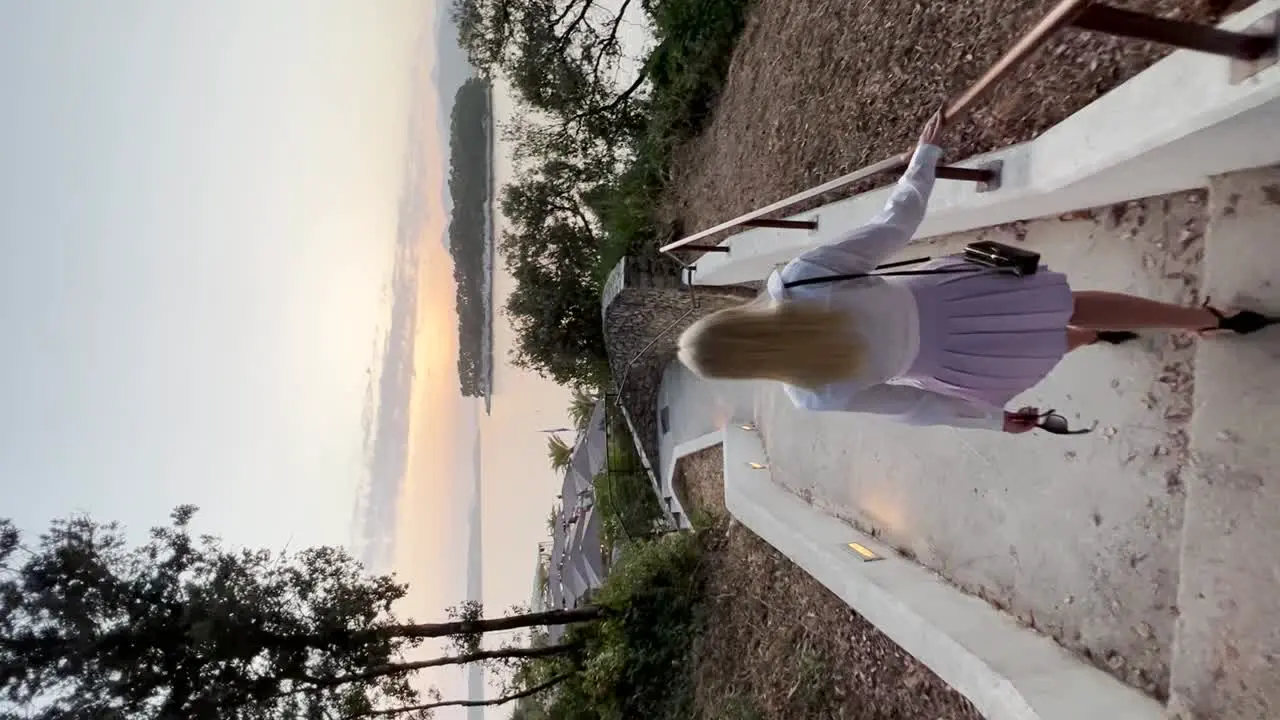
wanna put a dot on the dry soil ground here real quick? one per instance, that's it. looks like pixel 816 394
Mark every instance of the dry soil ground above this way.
pixel 779 645
pixel 818 88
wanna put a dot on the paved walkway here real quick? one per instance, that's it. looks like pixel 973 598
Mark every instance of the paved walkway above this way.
pixel 1083 538
pixel 1077 536
pixel 695 408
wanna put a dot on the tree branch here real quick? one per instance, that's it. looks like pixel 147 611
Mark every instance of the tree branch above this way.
pixel 576 211
pixel 623 97
pixel 568 32
pixel 610 41
pixel 565 14
pixel 503 700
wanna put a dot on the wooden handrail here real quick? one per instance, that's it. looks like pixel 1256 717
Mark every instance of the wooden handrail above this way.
pixel 893 163
pixel 1027 46
pixel 1056 19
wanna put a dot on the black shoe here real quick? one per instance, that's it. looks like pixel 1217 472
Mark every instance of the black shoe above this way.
pixel 1244 322
pixel 1115 337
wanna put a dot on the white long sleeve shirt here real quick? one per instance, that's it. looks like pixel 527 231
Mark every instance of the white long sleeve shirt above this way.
pixel 883 313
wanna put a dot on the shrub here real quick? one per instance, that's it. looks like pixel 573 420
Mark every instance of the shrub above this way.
pixel 636 663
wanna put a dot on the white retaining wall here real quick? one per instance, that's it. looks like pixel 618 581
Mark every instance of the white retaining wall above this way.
pixel 1009 672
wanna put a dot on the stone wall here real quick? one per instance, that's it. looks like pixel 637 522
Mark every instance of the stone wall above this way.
pixel 643 306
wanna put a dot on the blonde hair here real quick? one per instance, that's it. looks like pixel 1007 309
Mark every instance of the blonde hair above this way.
pixel 796 342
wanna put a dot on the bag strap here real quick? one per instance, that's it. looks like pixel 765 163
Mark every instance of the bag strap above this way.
pixel 874 273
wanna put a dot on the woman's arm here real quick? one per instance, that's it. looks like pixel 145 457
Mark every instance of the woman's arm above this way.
pixel 905 209
pixel 862 249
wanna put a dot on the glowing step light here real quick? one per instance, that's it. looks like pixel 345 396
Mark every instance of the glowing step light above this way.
pixel 864 552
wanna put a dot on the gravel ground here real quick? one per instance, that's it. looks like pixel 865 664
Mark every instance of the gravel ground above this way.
pixel 779 645
pixel 818 88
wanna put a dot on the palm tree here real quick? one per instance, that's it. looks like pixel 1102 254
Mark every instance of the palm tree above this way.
pixel 581 405
pixel 560 453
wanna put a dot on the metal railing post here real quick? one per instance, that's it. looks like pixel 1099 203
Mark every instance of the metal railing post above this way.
pixel 1100 18
pixel 946 172
pixel 781 224
pixel 987 176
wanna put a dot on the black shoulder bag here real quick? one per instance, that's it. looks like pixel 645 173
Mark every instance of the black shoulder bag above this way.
pixel 985 254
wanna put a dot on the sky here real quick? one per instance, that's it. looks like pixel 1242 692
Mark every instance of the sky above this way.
pixel 198 217
pixel 223 284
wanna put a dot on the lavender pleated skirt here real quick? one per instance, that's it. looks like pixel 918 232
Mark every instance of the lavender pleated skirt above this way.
pixel 988 336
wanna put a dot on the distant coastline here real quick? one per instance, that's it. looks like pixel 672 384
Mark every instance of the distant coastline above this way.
pixel 490 255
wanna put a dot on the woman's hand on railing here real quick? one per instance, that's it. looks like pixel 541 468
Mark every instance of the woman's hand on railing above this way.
pixel 933 129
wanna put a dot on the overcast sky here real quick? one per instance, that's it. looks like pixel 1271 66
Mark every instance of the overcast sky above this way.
pixel 198 206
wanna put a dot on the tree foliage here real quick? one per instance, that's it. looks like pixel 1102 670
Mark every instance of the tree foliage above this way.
pixel 550 249
pixel 593 140
pixel 184 627
pixel 637 663
pixel 582 404
pixel 564 58
pixel 559 453
pixel 470 231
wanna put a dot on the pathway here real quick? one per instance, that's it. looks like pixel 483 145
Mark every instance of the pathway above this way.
pixel 1148 546
pixel 689 409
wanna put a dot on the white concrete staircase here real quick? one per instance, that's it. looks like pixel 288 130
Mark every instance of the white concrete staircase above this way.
pixel 1226 654
pixel 1083 541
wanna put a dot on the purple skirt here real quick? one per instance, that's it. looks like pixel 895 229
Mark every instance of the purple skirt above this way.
pixel 988 336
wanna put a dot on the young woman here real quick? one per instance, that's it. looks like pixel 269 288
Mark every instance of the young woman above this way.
pixel 937 349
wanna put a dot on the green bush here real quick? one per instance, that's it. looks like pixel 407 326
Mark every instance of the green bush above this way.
pixel 636 663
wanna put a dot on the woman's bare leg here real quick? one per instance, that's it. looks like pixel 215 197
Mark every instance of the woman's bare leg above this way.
pixel 1080 337
pixel 1100 310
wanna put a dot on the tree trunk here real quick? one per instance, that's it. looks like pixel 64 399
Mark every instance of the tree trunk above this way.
pixel 390 712
pixel 438 630
pixel 379 671
pixel 479 627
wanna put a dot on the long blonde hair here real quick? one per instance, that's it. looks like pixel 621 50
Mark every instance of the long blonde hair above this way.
pixel 791 341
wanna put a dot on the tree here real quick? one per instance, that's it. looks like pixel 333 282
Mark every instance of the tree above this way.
pixel 564 58
pixel 556 318
pixel 470 232
pixel 183 627
pixel 552 251
pixel 559 452
pixel 582 404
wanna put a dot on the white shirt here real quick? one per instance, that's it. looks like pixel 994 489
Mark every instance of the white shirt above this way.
pixel 882 312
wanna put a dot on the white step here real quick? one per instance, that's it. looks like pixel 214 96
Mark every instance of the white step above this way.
pixel 1226 655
